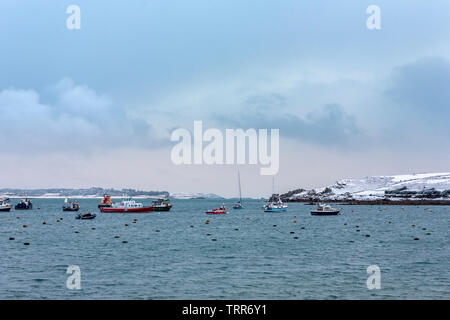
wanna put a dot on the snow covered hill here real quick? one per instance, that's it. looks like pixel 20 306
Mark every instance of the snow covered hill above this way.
pixel 181 195
pixel 412 186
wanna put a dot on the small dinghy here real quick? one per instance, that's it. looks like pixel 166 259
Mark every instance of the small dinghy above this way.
pixel 325 210
pixel 86 216
pixel 221 210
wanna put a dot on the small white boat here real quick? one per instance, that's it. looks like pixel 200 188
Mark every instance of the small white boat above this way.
pixel 325 210
pixel 5 204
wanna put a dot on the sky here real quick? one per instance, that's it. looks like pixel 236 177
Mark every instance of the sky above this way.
pixel 96 106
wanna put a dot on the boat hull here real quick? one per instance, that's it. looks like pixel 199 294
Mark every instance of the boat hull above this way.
pixel 18 207
pixel 81 217
pixel 71 209
pixel 165 208
pixel 127 210
pixel 325 213
pixel 216 212
pixel 275 209
pixel 5 209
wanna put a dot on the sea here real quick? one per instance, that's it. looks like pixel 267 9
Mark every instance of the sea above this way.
pixel 245 254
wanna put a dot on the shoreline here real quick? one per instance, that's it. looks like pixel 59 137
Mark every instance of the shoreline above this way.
pixel 403 202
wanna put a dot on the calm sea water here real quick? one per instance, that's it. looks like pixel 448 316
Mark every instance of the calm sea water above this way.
pixel 255 255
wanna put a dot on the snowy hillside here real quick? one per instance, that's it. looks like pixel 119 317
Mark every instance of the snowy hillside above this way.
pixel 413 186
pixel 181 195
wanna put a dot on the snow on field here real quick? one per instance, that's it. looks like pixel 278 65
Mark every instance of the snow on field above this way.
pixel 374 187
pixel 182 195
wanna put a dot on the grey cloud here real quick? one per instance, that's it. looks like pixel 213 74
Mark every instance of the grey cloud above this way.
pixel 422 88
pixel 265 102
pixel 70 117
pixel 330 126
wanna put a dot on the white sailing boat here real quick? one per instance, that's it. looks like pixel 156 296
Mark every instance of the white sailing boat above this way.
pixel 239 205
pixel 274 204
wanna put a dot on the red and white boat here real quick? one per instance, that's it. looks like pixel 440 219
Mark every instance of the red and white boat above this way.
pixel 127 206
pixel 221 210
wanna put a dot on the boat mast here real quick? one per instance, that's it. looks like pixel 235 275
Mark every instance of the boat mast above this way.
pixel 273 185
pixel 239 183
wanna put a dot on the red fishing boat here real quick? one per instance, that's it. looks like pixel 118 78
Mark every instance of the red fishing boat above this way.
pixel 221 210
pixel 127 206
pixel 106 202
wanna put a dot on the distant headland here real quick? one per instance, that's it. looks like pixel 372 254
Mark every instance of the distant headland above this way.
pixel 411 189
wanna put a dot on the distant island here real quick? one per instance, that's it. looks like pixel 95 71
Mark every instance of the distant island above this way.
pixel 416 189
pixel 94 192
pixel 97 192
